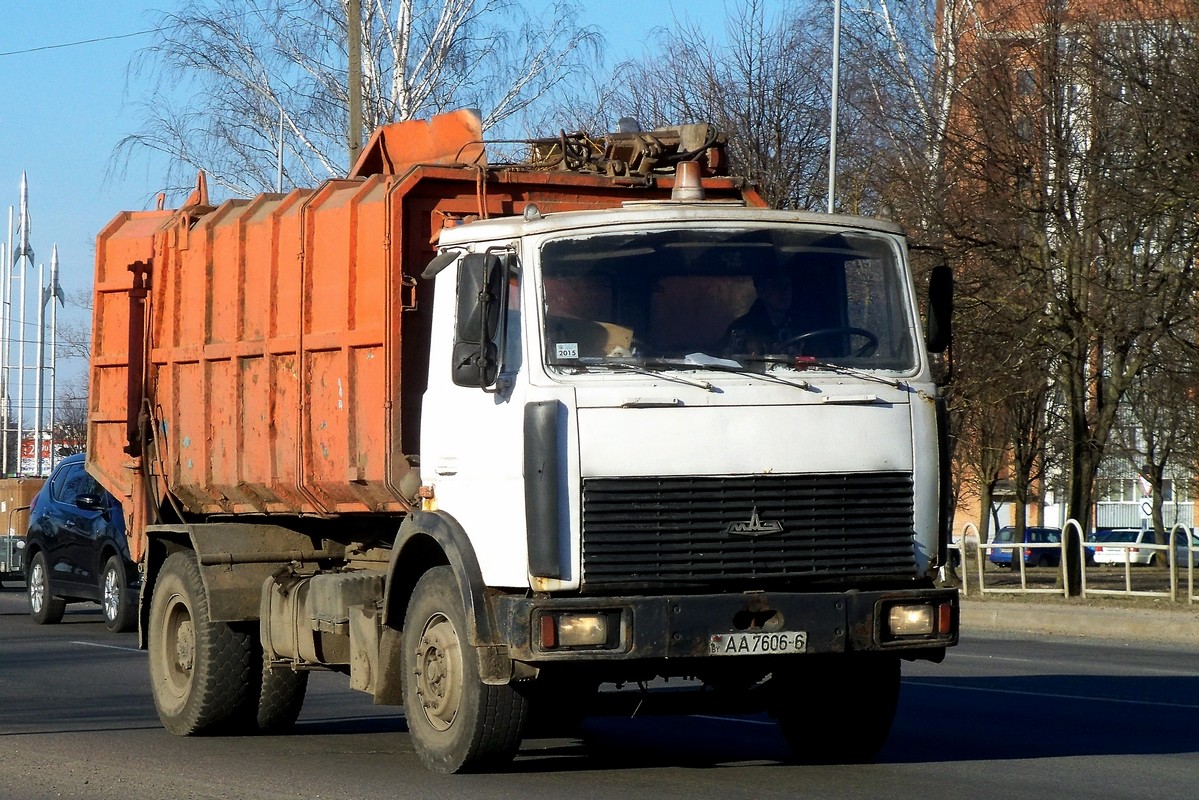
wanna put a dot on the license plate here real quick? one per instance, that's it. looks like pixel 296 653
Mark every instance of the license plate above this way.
pixel 755 644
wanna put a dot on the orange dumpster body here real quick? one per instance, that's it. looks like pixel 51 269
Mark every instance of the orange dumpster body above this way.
pixel 268 356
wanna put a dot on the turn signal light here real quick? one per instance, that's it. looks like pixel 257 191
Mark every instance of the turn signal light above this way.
pixel 945 618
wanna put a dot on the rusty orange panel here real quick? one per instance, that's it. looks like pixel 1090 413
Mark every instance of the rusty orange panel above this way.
pixel 128 238
pixel 446 138
pixel 343 341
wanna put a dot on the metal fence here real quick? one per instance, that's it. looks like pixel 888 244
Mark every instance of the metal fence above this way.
pixel 1171 576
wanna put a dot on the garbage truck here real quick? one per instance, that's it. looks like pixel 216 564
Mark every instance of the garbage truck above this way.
pixel 494 432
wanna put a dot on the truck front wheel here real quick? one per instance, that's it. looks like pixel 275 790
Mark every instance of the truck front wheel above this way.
pixel 202 672
pixel 457 722
pixel 834 709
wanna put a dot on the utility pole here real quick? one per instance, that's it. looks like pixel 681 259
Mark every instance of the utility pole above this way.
pixel 832 134
pixel 279 163
pixel 56 293
pixel 354 48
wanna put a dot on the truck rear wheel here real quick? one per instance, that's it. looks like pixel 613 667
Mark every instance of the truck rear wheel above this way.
pixel 200 670
pixel 457 722
pixel 280 699
pixel 837 710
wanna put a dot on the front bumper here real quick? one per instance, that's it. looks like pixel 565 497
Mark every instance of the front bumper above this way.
pixel 682 626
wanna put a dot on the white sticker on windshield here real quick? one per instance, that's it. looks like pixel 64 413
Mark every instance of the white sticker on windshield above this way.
pixel 566 350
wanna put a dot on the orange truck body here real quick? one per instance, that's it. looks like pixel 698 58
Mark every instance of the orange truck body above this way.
pixel 275 350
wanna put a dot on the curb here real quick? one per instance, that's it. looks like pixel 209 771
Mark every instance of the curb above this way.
pixel 1164 626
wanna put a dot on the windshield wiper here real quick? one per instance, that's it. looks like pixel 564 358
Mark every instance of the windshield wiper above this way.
pixel 704 361
pixel 666 367
pixel 800 363
pixel 660 369
pixel 654 369
pixel 855 373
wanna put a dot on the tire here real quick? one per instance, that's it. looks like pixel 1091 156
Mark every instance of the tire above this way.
pixel 202 673
pixel 120 611
pixel 280 699
pixel 837 710
pixel 457 722
pixel 45 608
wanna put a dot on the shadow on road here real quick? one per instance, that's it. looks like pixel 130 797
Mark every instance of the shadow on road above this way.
pixel 939 720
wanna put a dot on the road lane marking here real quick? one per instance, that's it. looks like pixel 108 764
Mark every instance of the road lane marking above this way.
pixel 769 722
pixel 110 646
pixel 1054 695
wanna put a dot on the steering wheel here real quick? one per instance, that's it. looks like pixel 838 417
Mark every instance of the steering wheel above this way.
pixel 865 350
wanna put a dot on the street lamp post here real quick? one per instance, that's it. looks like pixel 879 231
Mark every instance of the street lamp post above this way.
pixel 832 135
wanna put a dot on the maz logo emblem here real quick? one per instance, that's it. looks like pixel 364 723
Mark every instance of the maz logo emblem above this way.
pixel 755 526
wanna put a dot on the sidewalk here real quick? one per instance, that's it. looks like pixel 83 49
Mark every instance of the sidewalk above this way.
pixel 1175 625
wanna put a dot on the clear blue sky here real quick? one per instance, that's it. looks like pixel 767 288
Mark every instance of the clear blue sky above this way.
pixel 66 107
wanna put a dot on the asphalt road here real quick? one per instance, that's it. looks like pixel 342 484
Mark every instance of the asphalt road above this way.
pixel 1003 717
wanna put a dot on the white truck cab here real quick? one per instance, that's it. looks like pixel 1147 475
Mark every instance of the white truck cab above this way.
pixel 701 436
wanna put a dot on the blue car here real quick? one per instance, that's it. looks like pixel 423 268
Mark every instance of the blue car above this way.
pixel 1033 556
pixel 76 550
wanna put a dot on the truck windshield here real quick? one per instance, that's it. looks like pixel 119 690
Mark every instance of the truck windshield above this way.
pixel 753 298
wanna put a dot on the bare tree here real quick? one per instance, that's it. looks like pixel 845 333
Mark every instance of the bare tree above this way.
pixel 232 75
pixel 765 84
pixel 905 63
pixel 1158 432
pixel 1070 174
pixel 70 415
pixel 74 340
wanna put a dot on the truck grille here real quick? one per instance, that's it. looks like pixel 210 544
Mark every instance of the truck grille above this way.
pixel 667 532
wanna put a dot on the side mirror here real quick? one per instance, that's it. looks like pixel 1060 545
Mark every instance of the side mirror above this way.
pixel 940 309
pixel 481 283
pixel 90 502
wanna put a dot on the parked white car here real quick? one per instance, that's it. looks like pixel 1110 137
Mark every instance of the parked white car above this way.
pixel 1109 546
pixel 1112 546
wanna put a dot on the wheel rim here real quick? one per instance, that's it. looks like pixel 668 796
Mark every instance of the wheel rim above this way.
pixel 37 588
pixel 177 647
pixel 112 594
pixel 438 672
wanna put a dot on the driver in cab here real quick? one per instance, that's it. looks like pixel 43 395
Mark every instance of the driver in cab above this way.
pixel 769 323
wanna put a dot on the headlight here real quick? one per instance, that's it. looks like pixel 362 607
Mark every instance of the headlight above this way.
pixel 582 630
pixel 919 620
pixel 573 630
pixel 916 620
